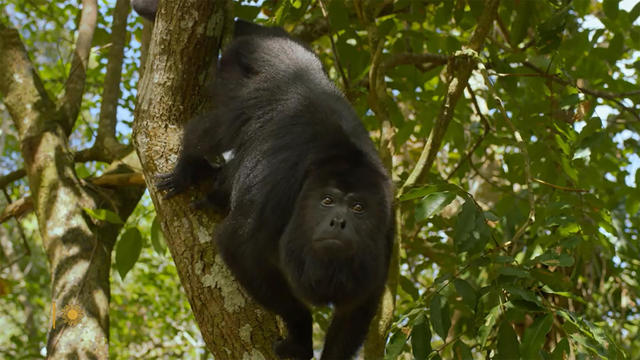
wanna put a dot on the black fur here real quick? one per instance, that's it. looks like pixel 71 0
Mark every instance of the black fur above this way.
pixel 309 203
pixel 146 8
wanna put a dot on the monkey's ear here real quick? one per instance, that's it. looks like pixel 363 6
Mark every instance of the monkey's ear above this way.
pixel 247 28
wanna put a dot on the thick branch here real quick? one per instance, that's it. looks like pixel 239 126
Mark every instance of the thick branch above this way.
pixel 458 71
pixel 11 177
pixel 16 209
pixel 20 86
pixel 122 174
pixel 106 147
pixel 69 105
pixel 126 179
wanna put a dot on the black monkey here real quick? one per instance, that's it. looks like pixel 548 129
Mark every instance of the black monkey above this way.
pixel 309 203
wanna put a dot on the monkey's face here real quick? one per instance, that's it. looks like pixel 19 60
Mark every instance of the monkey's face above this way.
pixel 340 221
pixel 335 241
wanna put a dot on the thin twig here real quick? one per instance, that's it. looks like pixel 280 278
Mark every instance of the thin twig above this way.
pixel 559 187
pixel 597 93
pixel 20 229
pixel 486 127
pixel 525 154
pixel 345 80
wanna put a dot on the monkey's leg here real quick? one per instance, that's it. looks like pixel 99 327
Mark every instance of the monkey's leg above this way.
pixel 348 329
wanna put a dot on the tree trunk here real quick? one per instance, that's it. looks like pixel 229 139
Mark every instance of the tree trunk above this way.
pixel 184 44
pixel 78 247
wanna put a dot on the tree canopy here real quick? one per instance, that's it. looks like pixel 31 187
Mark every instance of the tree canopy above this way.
pixel 511 130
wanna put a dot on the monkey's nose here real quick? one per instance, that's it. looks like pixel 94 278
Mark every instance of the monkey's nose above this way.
pixel 338 222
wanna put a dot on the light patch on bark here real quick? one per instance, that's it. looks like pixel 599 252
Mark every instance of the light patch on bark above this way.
pixel 188 23
pixel 221 278
pixel 203 235
pixel 103 303
pixel 254 355
pixel 59 221
pixel 245 333
pixel 17 78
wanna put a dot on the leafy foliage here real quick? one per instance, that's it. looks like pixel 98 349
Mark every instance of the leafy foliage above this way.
pixel 522 242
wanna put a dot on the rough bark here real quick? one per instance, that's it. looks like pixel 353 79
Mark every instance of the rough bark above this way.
pixel 171 91
pixel 69 106
pixel 78 248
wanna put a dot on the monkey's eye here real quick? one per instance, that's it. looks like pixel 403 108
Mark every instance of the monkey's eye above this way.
pixel 327 200
pixel 357 208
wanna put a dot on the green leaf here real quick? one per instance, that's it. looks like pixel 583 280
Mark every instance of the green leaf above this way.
pixel 338 15
pixel 245 11
pixel 296 3
pixel 555 280
pixel 534 337
pixel 462 351
pixel 554 259
pixel 418 192
pixel 583 153
pixel 471 233
pixel 128 250
pixel 104 215
pixel 421 338
pixel 157 238
pixel 101 37
pixel 513 271
pixel 570 101
pixel 409 287
pixel 561 348
pixel 82 171
pixel 439 314
pixel 433 204
pixel 396 344
pixel 521 23
pixel 523 294
pixel 487 326
pixel 467 292
pixel 610 8
pixel 634 13
pixel 508 345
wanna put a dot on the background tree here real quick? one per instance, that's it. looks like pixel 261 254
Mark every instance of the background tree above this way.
pixel 511 131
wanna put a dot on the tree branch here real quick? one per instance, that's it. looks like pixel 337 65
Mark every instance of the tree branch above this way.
pixel 459 69
pixel 11 177
pixel 486 127
pixel 119 174
pixel 20 86
pixel 106 147
pixel 596 93
pixel 525 154
pixel 414 59
pixel 69 105
pixel 16 209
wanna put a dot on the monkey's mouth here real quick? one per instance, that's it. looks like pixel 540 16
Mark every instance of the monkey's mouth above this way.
pixel 331 247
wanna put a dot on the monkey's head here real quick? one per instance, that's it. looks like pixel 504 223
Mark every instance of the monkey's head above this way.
pixel 336 244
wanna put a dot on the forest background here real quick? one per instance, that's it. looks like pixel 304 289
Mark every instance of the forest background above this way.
pixel 511 130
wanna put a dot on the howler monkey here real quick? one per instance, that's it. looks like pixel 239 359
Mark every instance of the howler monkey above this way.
pixel 309 203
